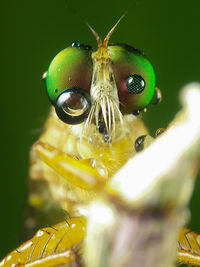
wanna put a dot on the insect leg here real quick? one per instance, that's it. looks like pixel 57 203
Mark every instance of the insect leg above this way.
pixel 77 172
pixel 189 247
pixel 50 246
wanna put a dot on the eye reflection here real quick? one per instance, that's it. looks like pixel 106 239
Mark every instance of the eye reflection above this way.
pixel 135 84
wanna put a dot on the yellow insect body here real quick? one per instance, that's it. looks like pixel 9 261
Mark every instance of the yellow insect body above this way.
pixel 73 190
pixel 46 247
pixel 75 162
pixel 189 247
pixel 101 162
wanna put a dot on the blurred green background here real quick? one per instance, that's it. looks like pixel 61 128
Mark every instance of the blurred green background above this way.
pixel 168 32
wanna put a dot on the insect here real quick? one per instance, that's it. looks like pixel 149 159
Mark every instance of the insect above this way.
pixel 188 247
pixel 90 136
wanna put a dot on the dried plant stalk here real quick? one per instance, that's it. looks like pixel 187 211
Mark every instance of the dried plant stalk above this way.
pixel 137 219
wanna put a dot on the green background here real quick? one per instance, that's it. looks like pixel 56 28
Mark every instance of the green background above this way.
pixel 168 32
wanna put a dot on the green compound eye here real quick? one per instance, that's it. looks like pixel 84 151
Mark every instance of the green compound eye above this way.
pixel 71 68
pixel 73 105
pixel 135 84
pixel 135 78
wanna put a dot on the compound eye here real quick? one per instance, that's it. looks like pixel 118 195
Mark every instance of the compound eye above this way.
pixel 135 84
pixel 134 76
pixel 73 105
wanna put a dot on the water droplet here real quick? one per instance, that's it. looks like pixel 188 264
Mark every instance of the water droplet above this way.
pixel 76 44
pixel 139 143
pixel 159 131
pixel 100 167
pixel 44 75
pixel 157 97
pixel 136 112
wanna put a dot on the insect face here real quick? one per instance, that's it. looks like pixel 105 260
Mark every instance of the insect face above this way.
pixel 100 87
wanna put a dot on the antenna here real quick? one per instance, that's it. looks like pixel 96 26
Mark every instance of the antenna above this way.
pixel 99 42
pixel 107 38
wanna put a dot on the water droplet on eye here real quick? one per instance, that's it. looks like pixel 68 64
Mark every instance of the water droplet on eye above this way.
pixel 139 143
pixel 75 44
pixel 73 103
pixel 44 75
pixel 157 97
